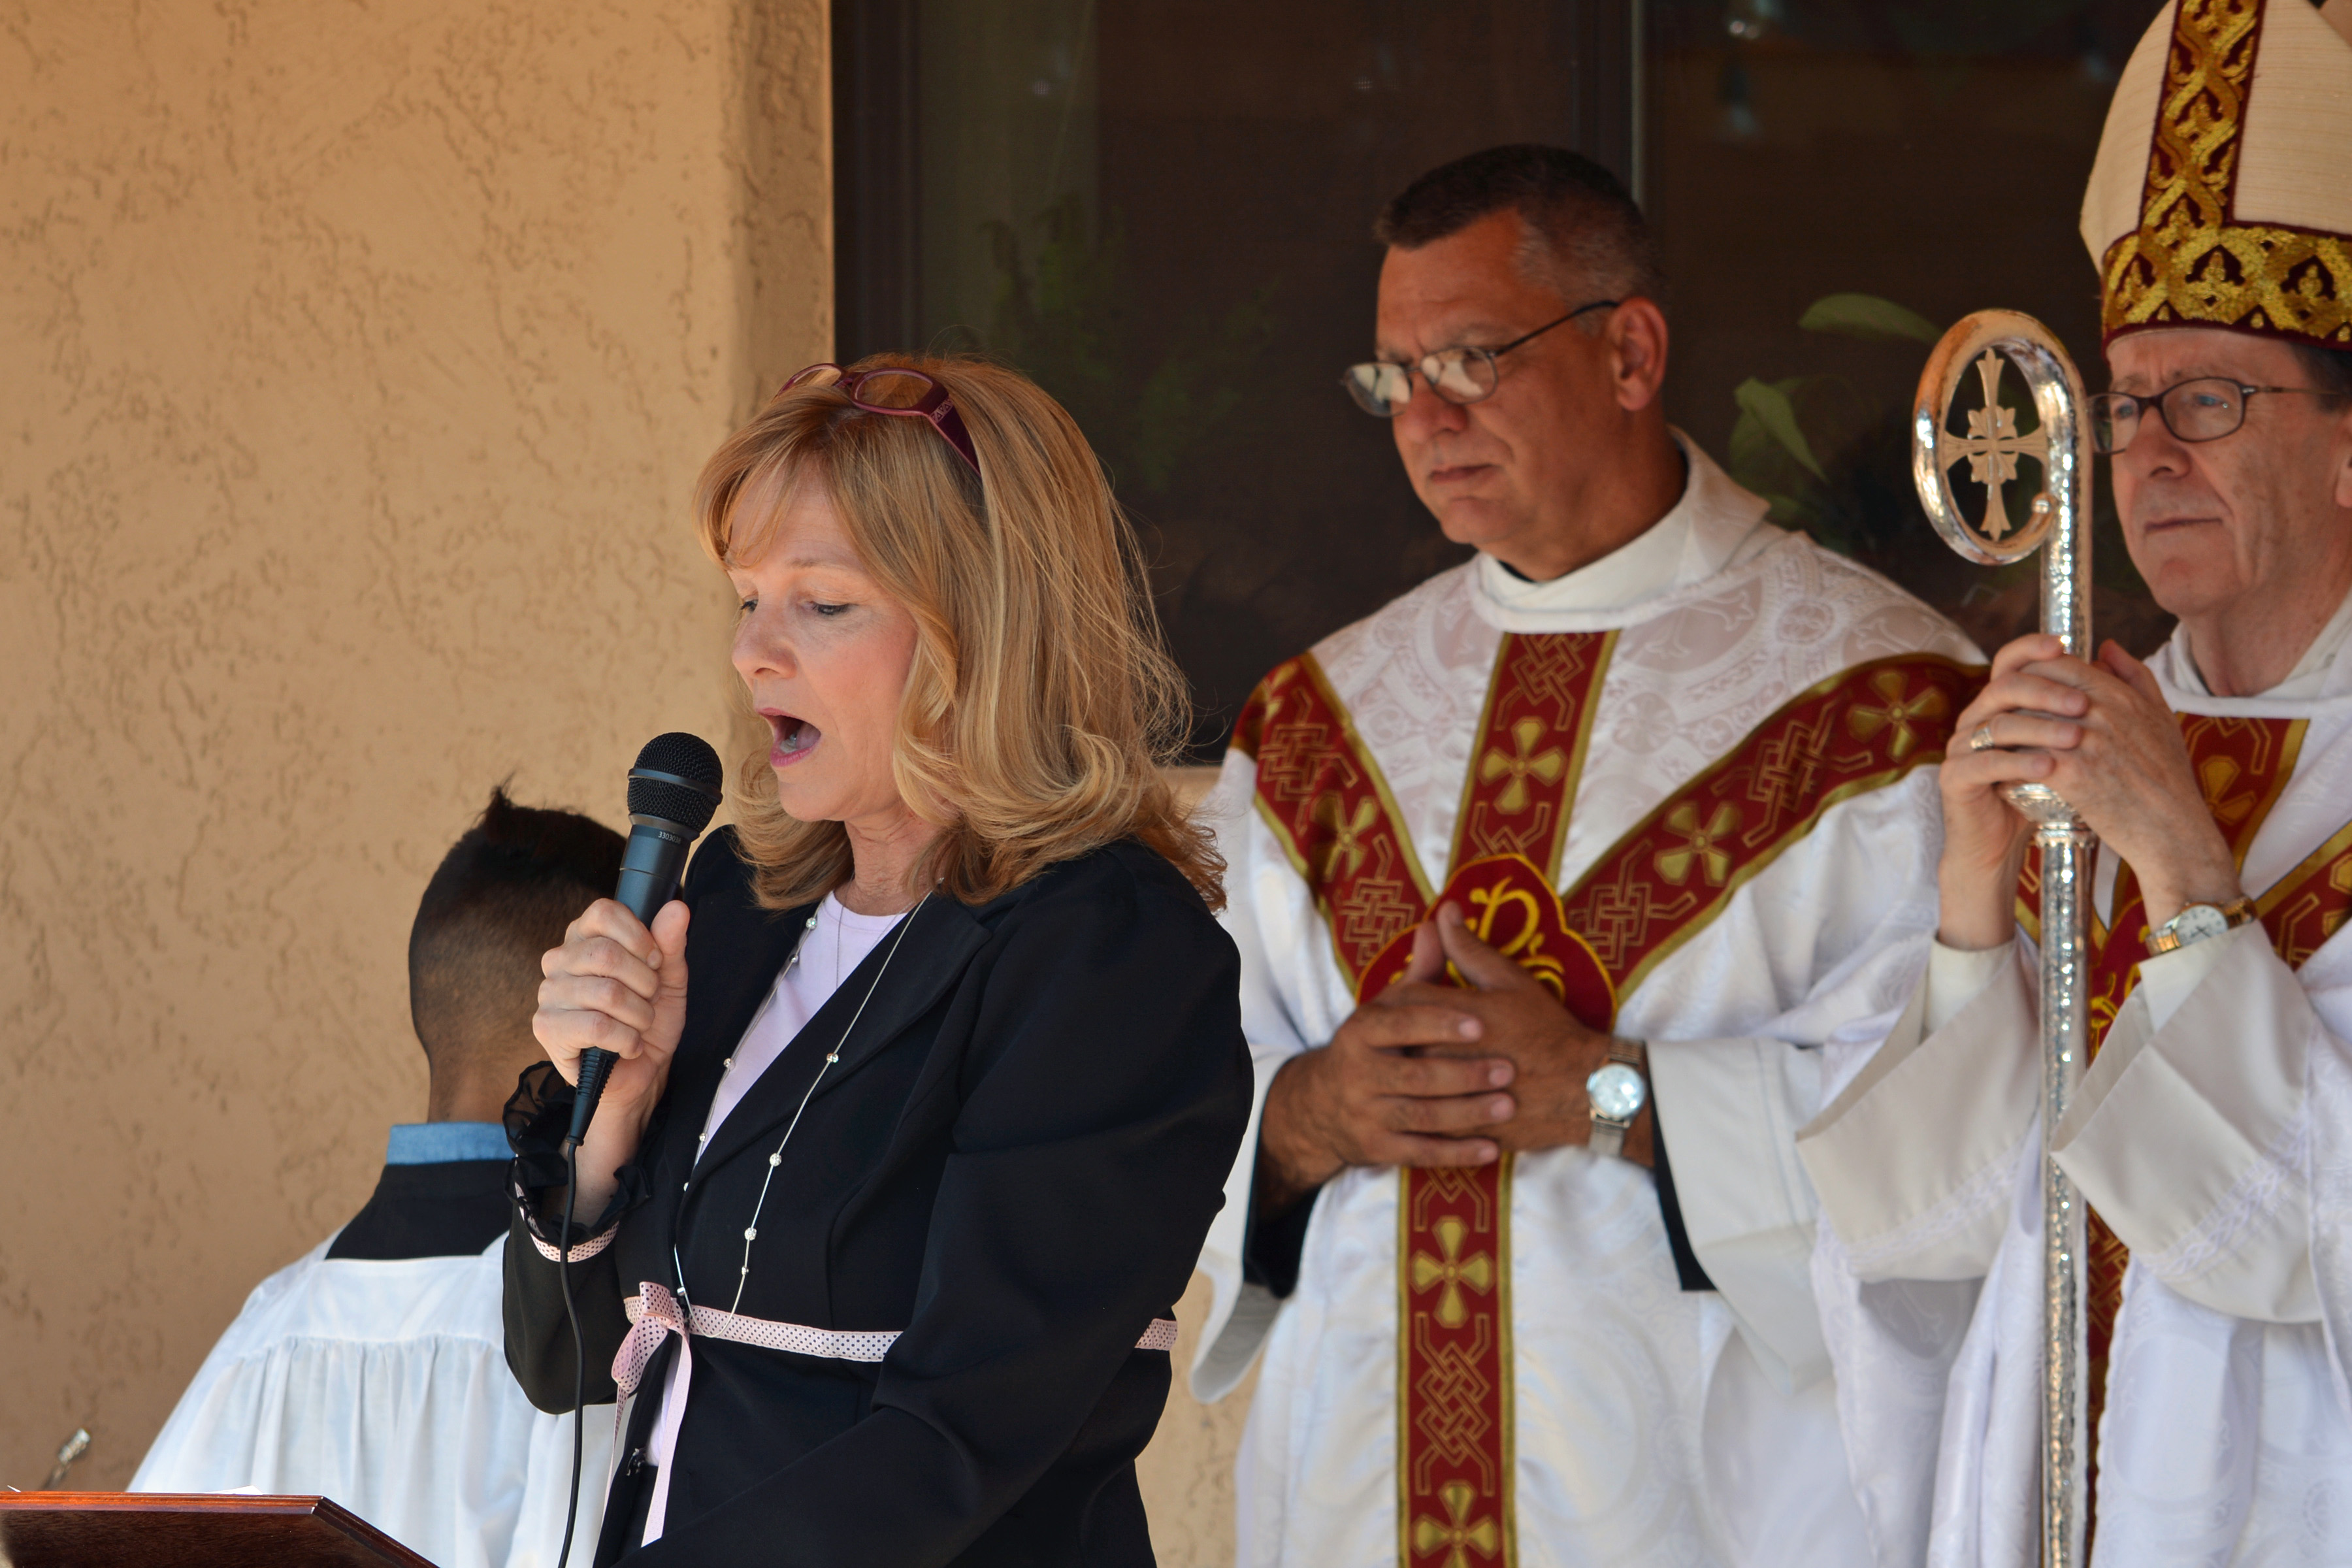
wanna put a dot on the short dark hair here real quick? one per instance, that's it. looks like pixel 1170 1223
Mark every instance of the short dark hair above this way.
pixel 2330 369
pixel 1586 238
pixel 502 897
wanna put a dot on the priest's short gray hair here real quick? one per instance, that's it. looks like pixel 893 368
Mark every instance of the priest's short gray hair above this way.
pixel 1586 238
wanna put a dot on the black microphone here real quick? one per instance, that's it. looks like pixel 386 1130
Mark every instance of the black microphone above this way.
pixel 673 791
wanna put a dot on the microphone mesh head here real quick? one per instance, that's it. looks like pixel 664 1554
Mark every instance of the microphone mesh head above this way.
pixel 685 756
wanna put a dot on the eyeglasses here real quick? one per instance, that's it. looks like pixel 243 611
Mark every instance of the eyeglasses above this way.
pixel 2204 409
pixel 1457 375
pixel 901 393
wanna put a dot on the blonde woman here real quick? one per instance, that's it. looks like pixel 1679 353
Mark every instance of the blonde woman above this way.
pixel 932 1078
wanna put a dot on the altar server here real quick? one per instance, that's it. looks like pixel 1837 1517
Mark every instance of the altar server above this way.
pixel 1656 780
pixel 2212 1132
pixel 372 1370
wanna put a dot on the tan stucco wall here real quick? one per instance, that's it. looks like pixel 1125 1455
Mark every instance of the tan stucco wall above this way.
pixel 355 361
pixel 358 359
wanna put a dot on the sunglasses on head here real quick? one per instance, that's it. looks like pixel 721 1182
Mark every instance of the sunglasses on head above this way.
pixel 901 394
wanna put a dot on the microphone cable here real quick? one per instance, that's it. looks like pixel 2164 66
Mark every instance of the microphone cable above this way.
pixel 578 1349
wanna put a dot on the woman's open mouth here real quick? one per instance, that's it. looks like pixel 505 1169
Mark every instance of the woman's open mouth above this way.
pixel 795 739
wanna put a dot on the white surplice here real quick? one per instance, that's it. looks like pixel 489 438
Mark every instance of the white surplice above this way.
pixel 2213 1134
pixel 382 1384
pixel 1653 1425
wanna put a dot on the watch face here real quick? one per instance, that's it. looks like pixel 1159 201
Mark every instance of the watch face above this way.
pixel 1617 1092
pixel 2197 922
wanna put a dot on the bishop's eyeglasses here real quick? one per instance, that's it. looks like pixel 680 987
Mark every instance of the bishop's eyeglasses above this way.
pixel 1457 375
pixel 2205 408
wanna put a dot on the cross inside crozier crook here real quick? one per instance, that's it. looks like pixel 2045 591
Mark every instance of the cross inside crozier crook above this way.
pixel 1992 447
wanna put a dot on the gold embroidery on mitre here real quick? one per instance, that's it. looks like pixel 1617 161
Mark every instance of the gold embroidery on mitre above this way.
pixel 2188 263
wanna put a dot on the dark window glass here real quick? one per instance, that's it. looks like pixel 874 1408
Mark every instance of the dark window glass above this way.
pixel 1161 210
pixel 1834 182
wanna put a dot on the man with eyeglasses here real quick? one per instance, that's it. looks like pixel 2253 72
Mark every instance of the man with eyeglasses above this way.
pixel 1584 848
pixel 2212 1131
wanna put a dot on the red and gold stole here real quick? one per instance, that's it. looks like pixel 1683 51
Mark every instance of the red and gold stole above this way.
pixel 1322 794
pixel 2243 766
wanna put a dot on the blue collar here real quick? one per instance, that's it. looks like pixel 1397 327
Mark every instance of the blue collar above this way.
pixel 440 1142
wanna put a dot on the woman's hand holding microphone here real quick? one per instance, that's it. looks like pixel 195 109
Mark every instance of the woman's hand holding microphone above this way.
pixel 616 986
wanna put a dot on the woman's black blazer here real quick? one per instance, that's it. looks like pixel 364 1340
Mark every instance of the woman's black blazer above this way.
pixel 1014 1162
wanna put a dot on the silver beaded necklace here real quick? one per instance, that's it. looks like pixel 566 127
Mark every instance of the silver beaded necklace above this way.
pixel 776 1158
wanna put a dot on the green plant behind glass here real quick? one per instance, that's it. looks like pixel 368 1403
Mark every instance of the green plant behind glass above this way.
pixel 1831 458
pixel 1066 317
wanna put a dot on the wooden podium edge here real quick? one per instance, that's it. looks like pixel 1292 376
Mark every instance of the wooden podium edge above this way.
pixel 329 1512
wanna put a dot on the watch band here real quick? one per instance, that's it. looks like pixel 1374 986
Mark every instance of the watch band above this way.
pixel 2238 911
pixel 1608 1138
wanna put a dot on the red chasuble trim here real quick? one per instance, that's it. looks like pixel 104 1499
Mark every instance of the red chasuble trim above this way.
pixel 1328 804
pixel 1330 809
pixel 1457 1453
pixel 1323 796
pixel 1532 741
pixel 1859 731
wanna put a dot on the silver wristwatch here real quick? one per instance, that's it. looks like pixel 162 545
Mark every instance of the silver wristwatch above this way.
pixel 1617 1089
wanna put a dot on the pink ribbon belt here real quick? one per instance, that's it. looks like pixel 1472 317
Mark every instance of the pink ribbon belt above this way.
pixel 654 1315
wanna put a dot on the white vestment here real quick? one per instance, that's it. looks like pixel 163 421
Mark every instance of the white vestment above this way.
pixel 382 1384
pixel 2213 1134
pixel 1653 1425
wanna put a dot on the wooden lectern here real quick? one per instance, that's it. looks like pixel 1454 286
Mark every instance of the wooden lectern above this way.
pixel 169 1529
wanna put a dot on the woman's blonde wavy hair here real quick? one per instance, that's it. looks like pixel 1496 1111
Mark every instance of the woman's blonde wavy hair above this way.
pixel 1041 702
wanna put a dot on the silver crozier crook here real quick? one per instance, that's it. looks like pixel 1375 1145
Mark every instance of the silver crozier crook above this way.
pixel 2059 525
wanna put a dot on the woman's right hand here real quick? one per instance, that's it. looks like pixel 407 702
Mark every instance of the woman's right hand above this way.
pixel 2029 716
pixel 616 985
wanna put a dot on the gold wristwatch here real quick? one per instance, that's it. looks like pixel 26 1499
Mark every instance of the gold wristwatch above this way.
pixel 2197 922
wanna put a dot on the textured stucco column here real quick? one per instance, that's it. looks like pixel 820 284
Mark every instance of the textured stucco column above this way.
pixel 356 362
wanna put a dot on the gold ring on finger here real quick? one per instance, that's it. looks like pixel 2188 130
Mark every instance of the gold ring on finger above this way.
pixel 1983 739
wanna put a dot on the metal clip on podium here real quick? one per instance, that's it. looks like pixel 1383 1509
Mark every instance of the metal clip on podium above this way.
pixel 164 1529
pixel 2059 525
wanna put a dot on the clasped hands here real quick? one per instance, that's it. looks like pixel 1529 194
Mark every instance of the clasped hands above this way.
pixel 1431 1075
pixel 2101 735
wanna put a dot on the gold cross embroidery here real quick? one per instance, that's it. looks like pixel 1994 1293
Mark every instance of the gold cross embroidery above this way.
pixel 1703 845
pixel 1453 1271
pixel 1550 766
pixel 1457 1535
pixel 1347 831
pixel 2217 775
pixel 1899 711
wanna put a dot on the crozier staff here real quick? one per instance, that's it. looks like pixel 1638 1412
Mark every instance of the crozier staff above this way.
pixel 930 1081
